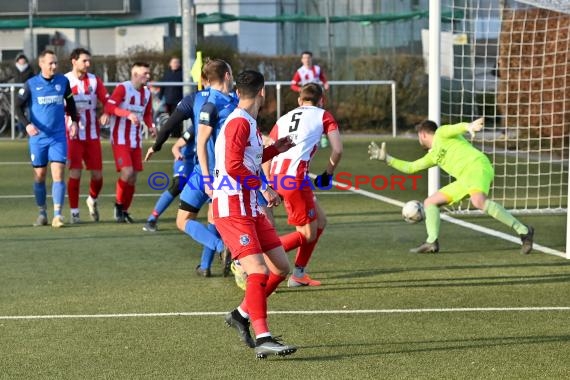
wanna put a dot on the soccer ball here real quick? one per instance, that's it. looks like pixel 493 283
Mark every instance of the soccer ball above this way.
pixel 413 212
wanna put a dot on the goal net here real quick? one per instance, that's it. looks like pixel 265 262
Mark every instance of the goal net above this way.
pixel 510 64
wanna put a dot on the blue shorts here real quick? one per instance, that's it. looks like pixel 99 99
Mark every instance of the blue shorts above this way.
pixel 182 168
pixel 45 149
pixel 193 193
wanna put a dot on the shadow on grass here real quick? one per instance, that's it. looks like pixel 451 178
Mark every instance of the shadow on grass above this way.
pixel 355 284
pixel 435 345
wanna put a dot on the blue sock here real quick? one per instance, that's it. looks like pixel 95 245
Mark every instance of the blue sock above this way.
pixel 199 233
pixel 162 203
pixel 58 194
pixel 40 194
pixel 207 253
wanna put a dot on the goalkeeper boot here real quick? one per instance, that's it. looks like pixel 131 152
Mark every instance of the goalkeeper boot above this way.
pixel 272 346
pixel 527 241
pixel 234 319
pixel 426 248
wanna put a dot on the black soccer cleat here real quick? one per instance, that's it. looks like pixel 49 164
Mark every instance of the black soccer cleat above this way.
pixel 203 272
pixel 426 248
pixel 150 226
pixel 271 346
pixel 527 241
pixel 235 320
pixel 127 218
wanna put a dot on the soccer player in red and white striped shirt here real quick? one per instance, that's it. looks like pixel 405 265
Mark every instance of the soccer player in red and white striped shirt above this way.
pixel 248 234
pixel 129 106
pixel 308 73
pixel 305 125
pixel 85 147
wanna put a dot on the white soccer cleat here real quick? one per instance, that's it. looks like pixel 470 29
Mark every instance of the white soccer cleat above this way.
pixel 57 221
pixel 93 210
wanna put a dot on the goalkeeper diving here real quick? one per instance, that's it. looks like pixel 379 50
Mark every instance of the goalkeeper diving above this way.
pixel 472 170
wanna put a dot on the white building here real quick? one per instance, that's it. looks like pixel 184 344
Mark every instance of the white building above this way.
pixel 261 38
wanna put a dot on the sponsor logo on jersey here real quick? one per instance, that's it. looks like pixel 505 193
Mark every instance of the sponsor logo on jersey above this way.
pixel 50 99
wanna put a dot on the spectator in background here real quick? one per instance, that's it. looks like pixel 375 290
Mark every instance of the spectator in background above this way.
pixel 172 95
pixel 308 73
pixel 21 72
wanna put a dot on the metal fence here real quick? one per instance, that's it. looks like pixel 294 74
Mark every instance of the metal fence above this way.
pixel 8 97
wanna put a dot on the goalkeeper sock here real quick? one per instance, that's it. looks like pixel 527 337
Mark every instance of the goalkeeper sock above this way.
pixel 498 212
pixel 433 222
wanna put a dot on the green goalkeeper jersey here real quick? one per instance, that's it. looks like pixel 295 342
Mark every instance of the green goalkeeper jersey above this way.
pixel 450 151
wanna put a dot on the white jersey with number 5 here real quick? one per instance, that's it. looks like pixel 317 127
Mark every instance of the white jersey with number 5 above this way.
pixel 305 125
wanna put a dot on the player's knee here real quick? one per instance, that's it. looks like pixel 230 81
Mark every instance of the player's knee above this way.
pixel 478 202
pixel 176 186
pixel 181 220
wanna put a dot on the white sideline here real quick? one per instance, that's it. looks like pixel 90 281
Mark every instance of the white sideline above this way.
pixel 290 312
pixel 453 220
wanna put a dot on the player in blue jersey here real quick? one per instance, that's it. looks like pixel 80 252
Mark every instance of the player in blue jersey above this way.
pixel 183 151
pixel 47 96
pixel 209 118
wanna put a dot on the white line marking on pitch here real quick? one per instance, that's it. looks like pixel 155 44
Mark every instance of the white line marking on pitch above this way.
pixel 291 312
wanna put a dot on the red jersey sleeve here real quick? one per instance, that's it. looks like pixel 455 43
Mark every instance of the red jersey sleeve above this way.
pixel 237 137
pixel 102 94
pixel 323 77
pixel 329 123
pixel 296 81
pixel 112 105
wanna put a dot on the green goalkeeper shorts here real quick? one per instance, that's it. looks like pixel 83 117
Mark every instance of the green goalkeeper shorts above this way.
pixel 476 179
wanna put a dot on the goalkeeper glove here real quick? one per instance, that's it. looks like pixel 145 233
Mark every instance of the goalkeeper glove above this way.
pixel 377 152
pixel 323 181
pixel 475 126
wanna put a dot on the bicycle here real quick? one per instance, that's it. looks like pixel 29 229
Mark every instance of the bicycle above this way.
pixel 5 108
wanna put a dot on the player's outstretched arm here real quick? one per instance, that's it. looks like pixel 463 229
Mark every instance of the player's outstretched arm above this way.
pixel 379 153
pixel 476 126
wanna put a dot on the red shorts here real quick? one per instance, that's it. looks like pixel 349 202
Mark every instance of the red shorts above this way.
pixel 299 203
pixel 127 157
pixel 245 235
pixel 88 151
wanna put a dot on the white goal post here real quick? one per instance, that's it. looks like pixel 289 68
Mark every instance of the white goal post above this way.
pixel 510 64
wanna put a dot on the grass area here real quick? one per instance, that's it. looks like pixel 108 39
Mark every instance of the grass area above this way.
pixel 105 268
